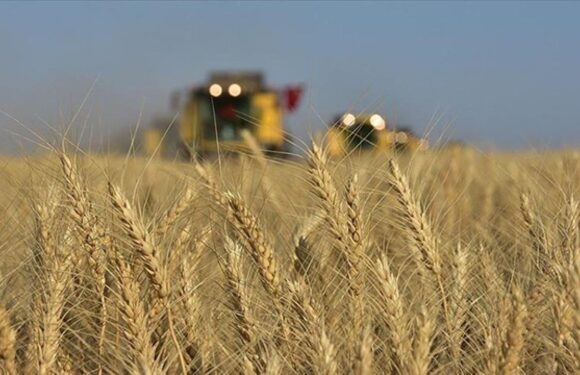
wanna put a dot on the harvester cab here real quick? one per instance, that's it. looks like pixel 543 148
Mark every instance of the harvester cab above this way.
pixel 213 116
pixel 364 133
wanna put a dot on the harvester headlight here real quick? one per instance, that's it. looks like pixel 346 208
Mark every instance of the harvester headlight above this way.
pixel 215 90
pixel 348 119
pixel 377 122
pixel 235 89
pixel 402 137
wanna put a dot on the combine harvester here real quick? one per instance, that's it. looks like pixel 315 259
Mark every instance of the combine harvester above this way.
pixel 214 115
pixel 365 133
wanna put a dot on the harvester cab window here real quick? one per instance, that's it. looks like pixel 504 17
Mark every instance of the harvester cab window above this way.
pixel 229 116
pixel 361 136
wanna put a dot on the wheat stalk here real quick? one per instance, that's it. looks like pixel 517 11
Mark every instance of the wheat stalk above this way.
pixel 254 147
pixel 393 309
pixel 516 335
pixel 260 157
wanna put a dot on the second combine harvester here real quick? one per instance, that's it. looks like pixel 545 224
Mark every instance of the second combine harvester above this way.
pixel 363 133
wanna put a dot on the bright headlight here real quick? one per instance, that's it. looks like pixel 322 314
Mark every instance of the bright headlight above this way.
pixel 402 137
pixel 235 89
pixel 377 122
pixel 348 119
pixel 215 90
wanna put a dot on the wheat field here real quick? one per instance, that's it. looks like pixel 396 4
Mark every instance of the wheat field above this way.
pixel 450 261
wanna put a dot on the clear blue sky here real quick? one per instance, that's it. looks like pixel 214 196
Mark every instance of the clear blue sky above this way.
pixel 495 73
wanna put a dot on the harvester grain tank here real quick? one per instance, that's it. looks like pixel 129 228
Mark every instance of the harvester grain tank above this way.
pixel 363 133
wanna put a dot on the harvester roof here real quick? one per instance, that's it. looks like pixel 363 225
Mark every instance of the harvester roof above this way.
pixel 249 81
pixel 371 119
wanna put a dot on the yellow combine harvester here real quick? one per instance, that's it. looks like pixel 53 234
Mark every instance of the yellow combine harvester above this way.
pixel 213 116
pixel 369 132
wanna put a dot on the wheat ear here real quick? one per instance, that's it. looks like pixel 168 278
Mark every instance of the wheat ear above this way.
pixel 393 311
pixel 245 325
pixel 323 359
pixel 190 309
pixel 137 329
pixel 344 224
pixel 88 228
pixel 324 188
pixel 211 184
pixel 174 213
pixel 355 251
pixel 516 335
pixel 327 355
pixel 422 352
pixel 574 292
pixel 419 231
pixel 569 228
pixel 458 302
pixel 143 245
pixel 537 233
pixel 48 308
pixel 364 358
pixel 303 259
pixel 7 344
pixel 419 227
pixel 262 252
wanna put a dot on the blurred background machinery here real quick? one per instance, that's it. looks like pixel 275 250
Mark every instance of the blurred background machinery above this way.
pixel 352 133
pixel 213 116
